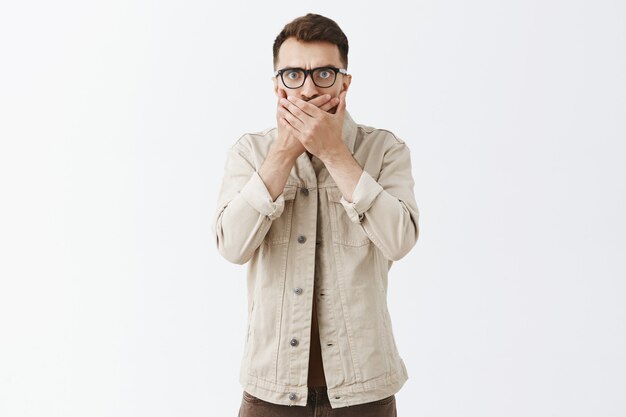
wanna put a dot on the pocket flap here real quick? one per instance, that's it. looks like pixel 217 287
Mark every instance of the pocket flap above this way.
pixel 334 194
pixel 289 193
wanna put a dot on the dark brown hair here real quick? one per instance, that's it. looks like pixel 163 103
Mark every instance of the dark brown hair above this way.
pixel 314 27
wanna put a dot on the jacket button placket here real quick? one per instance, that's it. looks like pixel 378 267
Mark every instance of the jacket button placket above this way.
pixel 302 254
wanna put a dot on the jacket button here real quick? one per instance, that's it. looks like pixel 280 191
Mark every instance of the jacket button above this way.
pixel 301 239
pixel 304 190
pixel 293 342
pixel 292 396
pixel 297 290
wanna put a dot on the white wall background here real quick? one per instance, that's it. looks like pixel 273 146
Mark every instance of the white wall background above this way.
pixel 115 118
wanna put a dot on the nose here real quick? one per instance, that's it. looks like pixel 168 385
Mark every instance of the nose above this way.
pixel 309 89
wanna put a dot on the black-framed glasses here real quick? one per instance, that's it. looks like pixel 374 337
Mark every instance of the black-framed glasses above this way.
pixel 323 77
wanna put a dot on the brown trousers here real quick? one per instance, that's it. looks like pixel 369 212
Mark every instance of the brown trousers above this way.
pixel 317 405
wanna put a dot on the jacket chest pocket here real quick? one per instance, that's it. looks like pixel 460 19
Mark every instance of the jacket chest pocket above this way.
pixel 344 231
pixel 280 228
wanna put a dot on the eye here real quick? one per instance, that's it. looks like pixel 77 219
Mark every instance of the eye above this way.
pixel 292 74
pixel 325 74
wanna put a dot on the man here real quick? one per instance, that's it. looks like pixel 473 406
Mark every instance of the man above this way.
pixel 319 207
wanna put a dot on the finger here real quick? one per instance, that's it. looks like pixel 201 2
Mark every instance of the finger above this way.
pixel 293 121
pixel 330 104
pixel 317 101
pixel 292 130
pixel 320 100
pixel 295 110
pixel 306 108
pixel 281 95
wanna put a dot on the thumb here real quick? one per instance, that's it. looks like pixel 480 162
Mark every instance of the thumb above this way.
pixel 341 108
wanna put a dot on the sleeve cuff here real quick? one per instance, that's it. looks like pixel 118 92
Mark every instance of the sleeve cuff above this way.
pixel 256 194
pixel 365 192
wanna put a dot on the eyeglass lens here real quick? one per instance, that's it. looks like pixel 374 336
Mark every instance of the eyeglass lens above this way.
pixel 322 77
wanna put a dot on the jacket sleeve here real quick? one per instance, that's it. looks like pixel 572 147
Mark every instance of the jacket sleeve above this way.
pixel 386 209
pixel 245 209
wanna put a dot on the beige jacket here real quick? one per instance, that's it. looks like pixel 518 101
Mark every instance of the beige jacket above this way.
pixel 278 241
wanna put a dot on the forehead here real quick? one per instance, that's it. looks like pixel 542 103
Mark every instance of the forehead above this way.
pixel 295 53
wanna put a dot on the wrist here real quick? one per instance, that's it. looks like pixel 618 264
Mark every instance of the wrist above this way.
pixel 281 157
pixel 336 155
